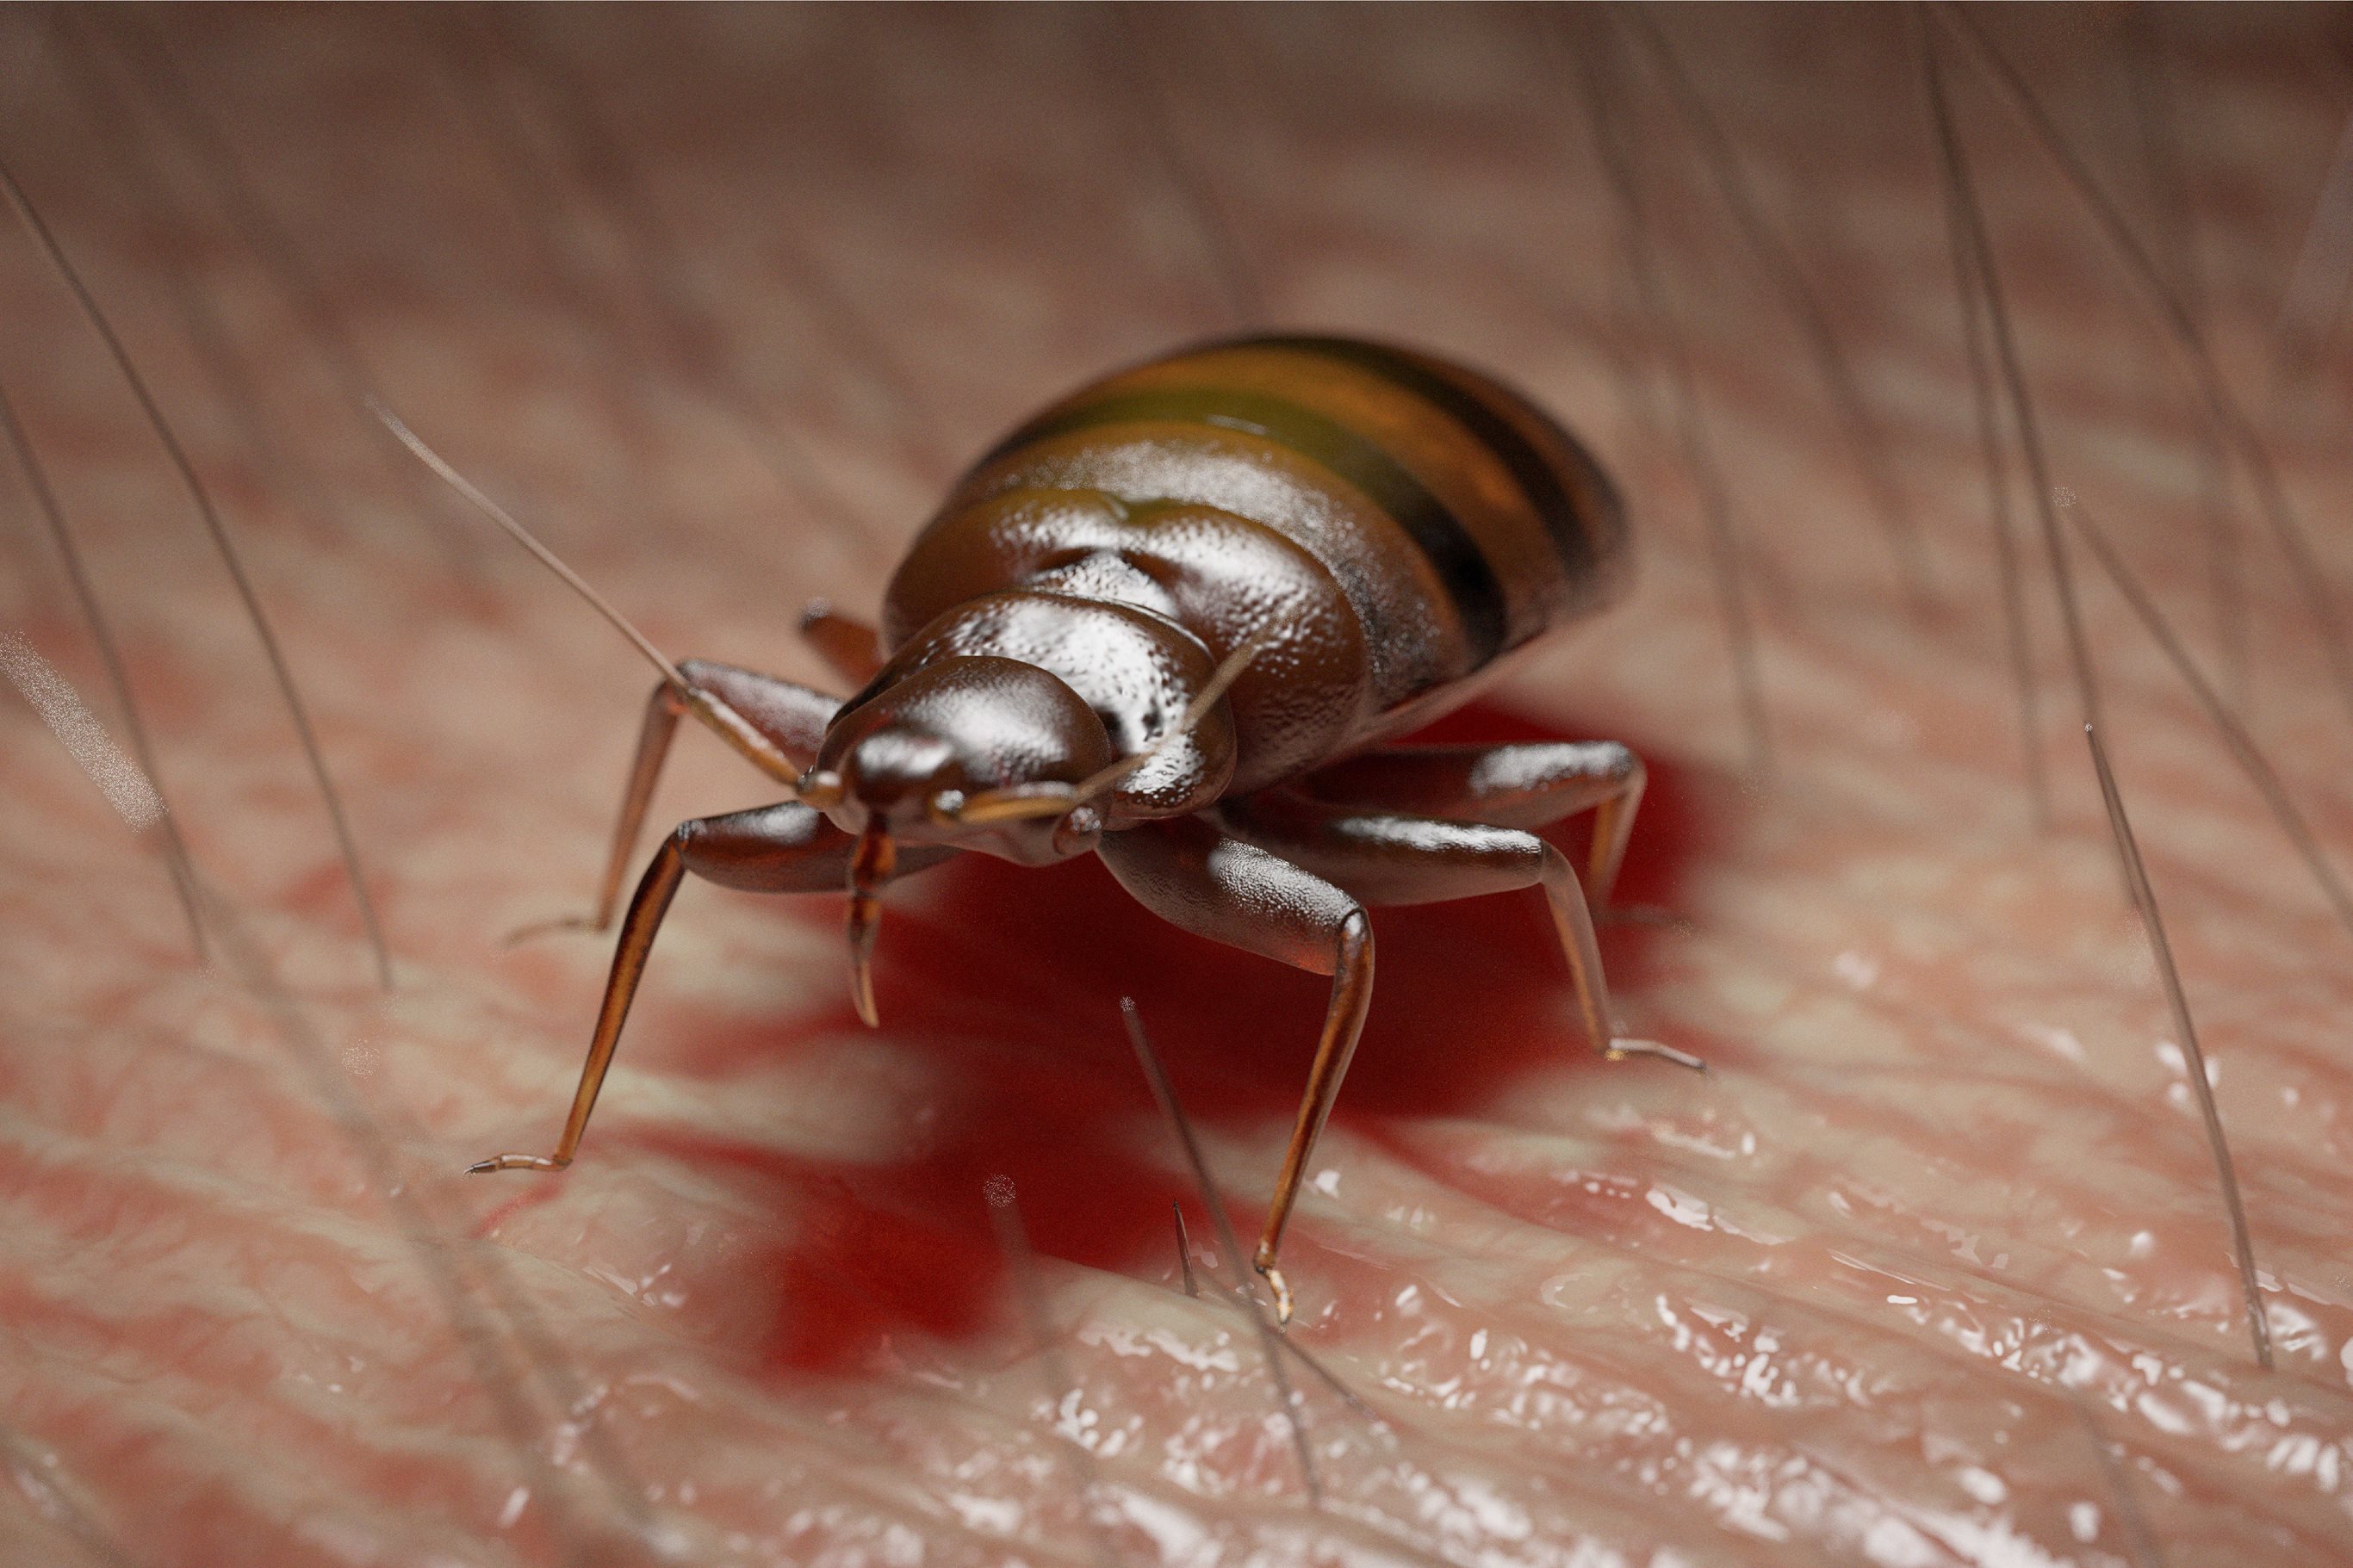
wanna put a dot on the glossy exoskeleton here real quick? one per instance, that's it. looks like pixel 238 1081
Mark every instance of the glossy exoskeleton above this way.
pixel 1174 620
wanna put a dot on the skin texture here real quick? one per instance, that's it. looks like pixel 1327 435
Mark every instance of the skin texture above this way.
pixel 1930 1268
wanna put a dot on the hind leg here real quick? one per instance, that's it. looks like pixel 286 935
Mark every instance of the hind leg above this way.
pixel 789 718
pixel 1526 784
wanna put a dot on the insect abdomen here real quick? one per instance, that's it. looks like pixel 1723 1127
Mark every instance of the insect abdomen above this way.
pixel 1454 519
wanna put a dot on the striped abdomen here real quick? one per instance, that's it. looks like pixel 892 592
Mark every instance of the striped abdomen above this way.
pixel 1395 521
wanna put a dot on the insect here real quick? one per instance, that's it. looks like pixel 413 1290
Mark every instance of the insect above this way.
pixel 1175 620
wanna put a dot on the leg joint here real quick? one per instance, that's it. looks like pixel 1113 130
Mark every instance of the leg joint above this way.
pixel 1355 937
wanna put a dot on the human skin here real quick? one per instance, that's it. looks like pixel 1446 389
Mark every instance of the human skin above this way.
pixel 1930 1267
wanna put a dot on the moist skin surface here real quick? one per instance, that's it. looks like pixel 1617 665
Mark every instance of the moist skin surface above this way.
pixel 1931 1267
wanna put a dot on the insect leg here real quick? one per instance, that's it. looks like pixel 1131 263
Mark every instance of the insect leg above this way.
pixel 853 649
pixel 1530 784
pixel 1191 875
pixel 785 848
pixel 788 715
pixel 793 717
pixel 1386 860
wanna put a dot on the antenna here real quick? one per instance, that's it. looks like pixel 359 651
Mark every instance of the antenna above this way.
pixel 709 707
pixel 524 537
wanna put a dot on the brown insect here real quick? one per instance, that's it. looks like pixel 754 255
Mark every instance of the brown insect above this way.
pixel 1173 621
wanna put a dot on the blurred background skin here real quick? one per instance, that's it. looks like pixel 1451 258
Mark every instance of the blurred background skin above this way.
pixel 1931 1269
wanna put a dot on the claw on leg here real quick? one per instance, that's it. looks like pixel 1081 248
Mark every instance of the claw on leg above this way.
pixel 517 1162
pixel 864 916
pixel 870 865
pixel 1267 1266
pixel 1620 1048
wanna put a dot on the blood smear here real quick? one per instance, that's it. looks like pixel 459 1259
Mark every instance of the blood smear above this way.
pixel 78 732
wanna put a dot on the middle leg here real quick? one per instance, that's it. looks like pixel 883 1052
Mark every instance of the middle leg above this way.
pixel 1526 784
pixel 789 716
pixel 1390 859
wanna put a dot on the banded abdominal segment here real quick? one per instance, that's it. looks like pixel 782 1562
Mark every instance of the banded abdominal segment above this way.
pixel 1454 520
pixel 1555 484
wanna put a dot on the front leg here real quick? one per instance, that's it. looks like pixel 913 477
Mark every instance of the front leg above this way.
pixel 1189 874
pixel 1527 784
pixel 1386 860
pixel 787 848
pixel 790 716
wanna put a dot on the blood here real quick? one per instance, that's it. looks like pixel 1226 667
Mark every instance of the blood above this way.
pixel 1009 981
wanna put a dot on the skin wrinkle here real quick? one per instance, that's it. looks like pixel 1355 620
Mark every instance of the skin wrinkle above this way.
pixel 35 1476
pixel 477 1268
pixel 1880 963
pixel 2112 1098
pixel 1731 1278
pixel 368 1142
pixel 1495 1450
pixel 1006 1424
pixel 1083 1479
pixel 423 1229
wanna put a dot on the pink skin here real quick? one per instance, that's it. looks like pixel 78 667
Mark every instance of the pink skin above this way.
pixel 1930 1270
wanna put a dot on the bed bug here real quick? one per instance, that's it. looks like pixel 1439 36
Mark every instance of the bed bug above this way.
pixel 1177 620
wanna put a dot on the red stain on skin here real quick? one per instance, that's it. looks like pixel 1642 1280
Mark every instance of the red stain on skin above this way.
pixel 1010 978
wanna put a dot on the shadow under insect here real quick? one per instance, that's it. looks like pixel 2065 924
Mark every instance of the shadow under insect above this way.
pixel 1004 981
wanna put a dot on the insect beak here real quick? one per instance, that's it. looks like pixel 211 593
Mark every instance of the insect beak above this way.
pixel 869 867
